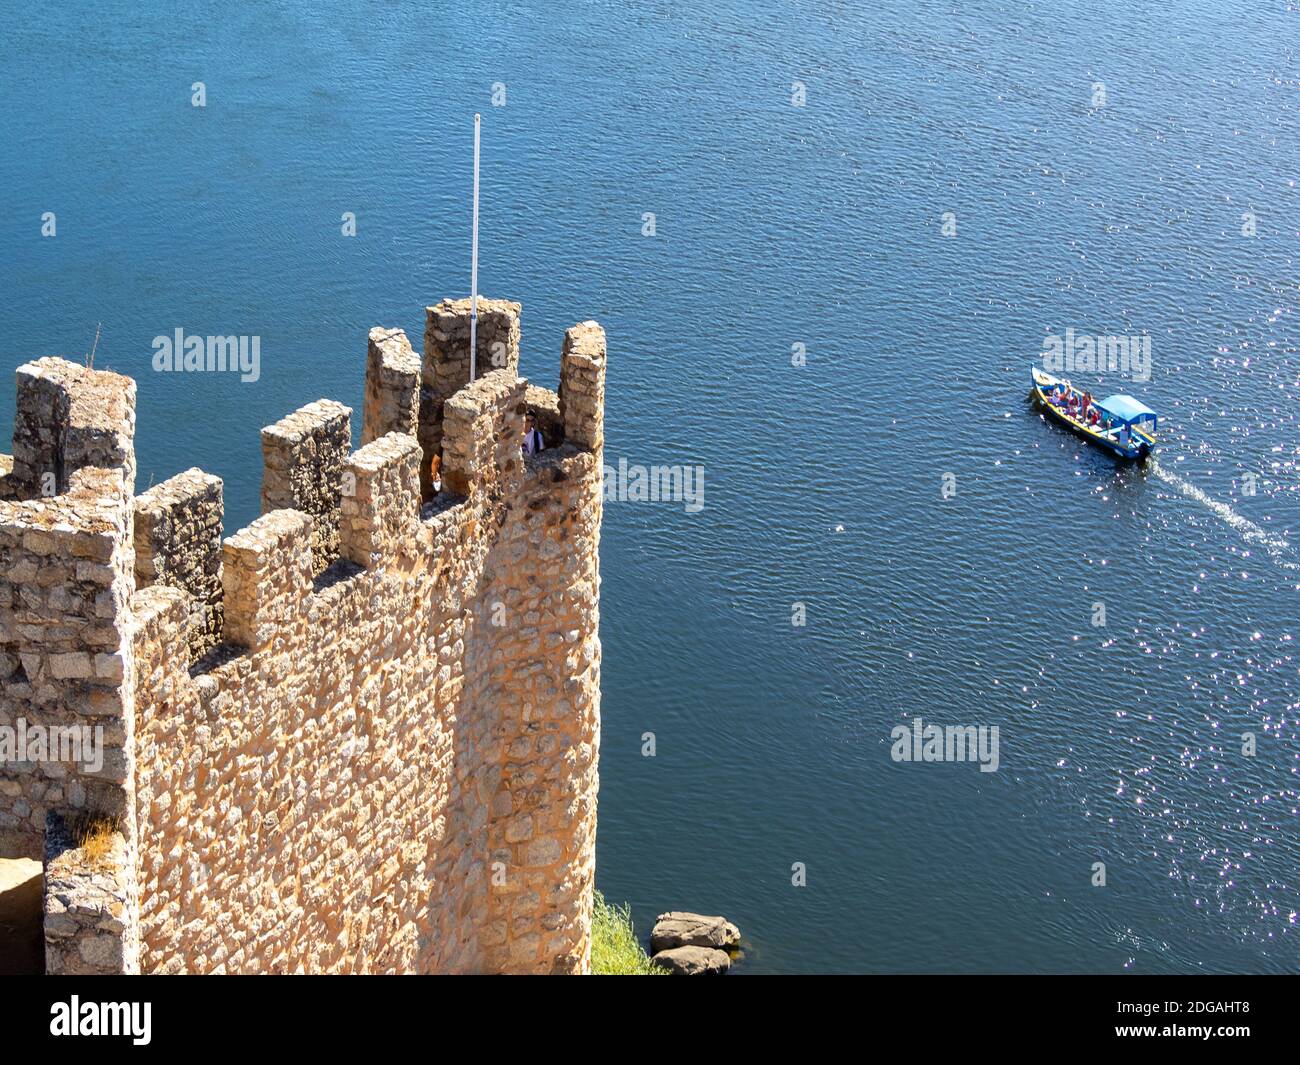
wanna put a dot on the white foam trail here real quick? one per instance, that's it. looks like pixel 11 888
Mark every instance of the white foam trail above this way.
pixel 1250 532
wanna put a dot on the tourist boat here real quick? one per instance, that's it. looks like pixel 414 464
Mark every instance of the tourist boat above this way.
pixel 1127 428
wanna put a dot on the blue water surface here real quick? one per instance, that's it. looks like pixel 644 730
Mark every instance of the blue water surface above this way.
pixel 1098 163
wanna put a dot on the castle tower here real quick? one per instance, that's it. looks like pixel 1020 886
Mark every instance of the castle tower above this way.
pixel 359 735
pixel 67 715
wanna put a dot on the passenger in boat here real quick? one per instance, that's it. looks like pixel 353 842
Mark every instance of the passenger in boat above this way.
pixel 1086 406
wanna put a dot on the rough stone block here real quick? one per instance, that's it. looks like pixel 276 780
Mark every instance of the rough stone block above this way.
pixel 381 500
pixel 392 386
pixel 302 459
pixel 582 385
pixel 178 543
pixel 266 573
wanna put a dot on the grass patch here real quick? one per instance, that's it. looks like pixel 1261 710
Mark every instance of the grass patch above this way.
pixel 615 950
pixel 94 838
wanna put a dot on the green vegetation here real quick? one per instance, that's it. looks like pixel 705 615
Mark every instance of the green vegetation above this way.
pixel 94 836
pixel 615 950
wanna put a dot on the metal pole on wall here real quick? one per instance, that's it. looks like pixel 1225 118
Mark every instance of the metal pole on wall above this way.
pixel 473 283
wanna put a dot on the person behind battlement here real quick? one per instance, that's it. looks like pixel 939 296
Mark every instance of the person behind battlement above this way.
pixel 435 473
pixel 533 442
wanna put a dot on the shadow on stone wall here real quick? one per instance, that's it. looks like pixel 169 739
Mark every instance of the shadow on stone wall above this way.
pixel 22 942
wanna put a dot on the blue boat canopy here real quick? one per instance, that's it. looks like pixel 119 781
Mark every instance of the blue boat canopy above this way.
pixel 1126 409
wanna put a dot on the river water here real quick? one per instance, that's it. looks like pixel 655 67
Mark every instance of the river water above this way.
pixel 942 188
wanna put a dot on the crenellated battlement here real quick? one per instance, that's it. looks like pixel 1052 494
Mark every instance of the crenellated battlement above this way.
pixel 68 417
pixel 445 369
pixel 482 426
pixel 392 386
pixel 381 500
pixel 177 538
pixel 323 703
pixel 582 386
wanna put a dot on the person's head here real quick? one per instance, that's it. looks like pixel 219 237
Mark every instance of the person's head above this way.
pixel 530 422
pixel 435 467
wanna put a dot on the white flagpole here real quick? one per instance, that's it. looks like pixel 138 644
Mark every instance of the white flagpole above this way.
pixel 473 284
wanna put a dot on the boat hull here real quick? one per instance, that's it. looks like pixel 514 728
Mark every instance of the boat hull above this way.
pixel 1105 440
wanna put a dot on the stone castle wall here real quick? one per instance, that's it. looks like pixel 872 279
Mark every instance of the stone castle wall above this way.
pixel 359 735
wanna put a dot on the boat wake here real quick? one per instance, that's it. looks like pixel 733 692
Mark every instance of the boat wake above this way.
pixel 1252 533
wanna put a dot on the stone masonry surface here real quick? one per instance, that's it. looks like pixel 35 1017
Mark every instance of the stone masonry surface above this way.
pixel 90 929
pixel 359 735
pixel 178 543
